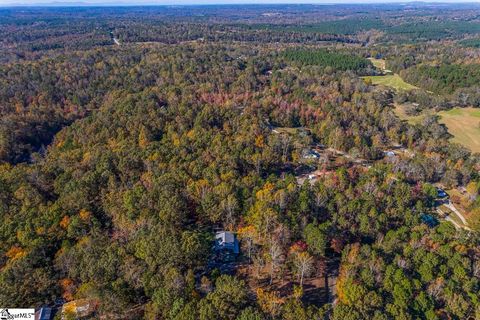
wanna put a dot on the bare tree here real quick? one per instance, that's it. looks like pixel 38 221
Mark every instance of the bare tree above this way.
pixel 229 207
pixel 247 235
pixel 435 288
pixel 258 265
pixel 281 199
pixel 275 258
pixel 285 140
pixel 304 265
pixel 320 199
pixel 476 269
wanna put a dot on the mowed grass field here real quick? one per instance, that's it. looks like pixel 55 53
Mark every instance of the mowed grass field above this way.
pixel 378 63
pixel 464 125
pixel 392 80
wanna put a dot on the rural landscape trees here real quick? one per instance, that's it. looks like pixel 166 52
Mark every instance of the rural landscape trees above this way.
pixel 120 162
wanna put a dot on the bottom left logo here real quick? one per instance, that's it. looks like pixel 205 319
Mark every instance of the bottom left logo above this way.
pixel 17 314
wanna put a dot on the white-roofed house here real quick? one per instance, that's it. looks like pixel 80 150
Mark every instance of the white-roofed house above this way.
pixel 226 241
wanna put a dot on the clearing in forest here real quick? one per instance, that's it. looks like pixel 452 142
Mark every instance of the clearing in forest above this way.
pixel 391 80
pixel 378 63
pixel 387 79
pixel 464 125
pixel 402 114
pixel 289 130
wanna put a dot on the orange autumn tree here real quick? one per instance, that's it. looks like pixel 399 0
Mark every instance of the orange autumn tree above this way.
pixel 343 276
pixel 270 302
pixel 85 215
pixel 15 253
pixel 65 222
pixel 68 288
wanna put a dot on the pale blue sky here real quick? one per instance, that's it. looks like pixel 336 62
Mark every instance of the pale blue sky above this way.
pixel 183 2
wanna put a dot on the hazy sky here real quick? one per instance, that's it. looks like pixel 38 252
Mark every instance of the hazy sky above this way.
pixel 170 2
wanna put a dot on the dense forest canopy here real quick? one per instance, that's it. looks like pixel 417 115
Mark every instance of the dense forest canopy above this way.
pixel 130 136
pixel 324 58
pixel 445 78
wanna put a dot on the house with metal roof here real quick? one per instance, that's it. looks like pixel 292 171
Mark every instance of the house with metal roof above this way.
pixel 226 241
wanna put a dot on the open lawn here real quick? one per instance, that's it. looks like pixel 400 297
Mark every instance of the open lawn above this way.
pixel 400 112
pixel 378 63
pixel 392 80
pixel 464 125
pixel 289 130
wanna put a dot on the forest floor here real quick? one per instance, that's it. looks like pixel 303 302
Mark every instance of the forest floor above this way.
pixel 318 289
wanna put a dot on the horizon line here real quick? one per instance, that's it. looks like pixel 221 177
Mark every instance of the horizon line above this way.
pixel 227 3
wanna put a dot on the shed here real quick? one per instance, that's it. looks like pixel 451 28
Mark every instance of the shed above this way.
pixel 225 240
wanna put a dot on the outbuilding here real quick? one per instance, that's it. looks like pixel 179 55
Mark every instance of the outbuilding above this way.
pixel 226 241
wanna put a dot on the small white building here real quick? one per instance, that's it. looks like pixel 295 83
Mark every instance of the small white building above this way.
pixel 310 154
pixel 225 240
